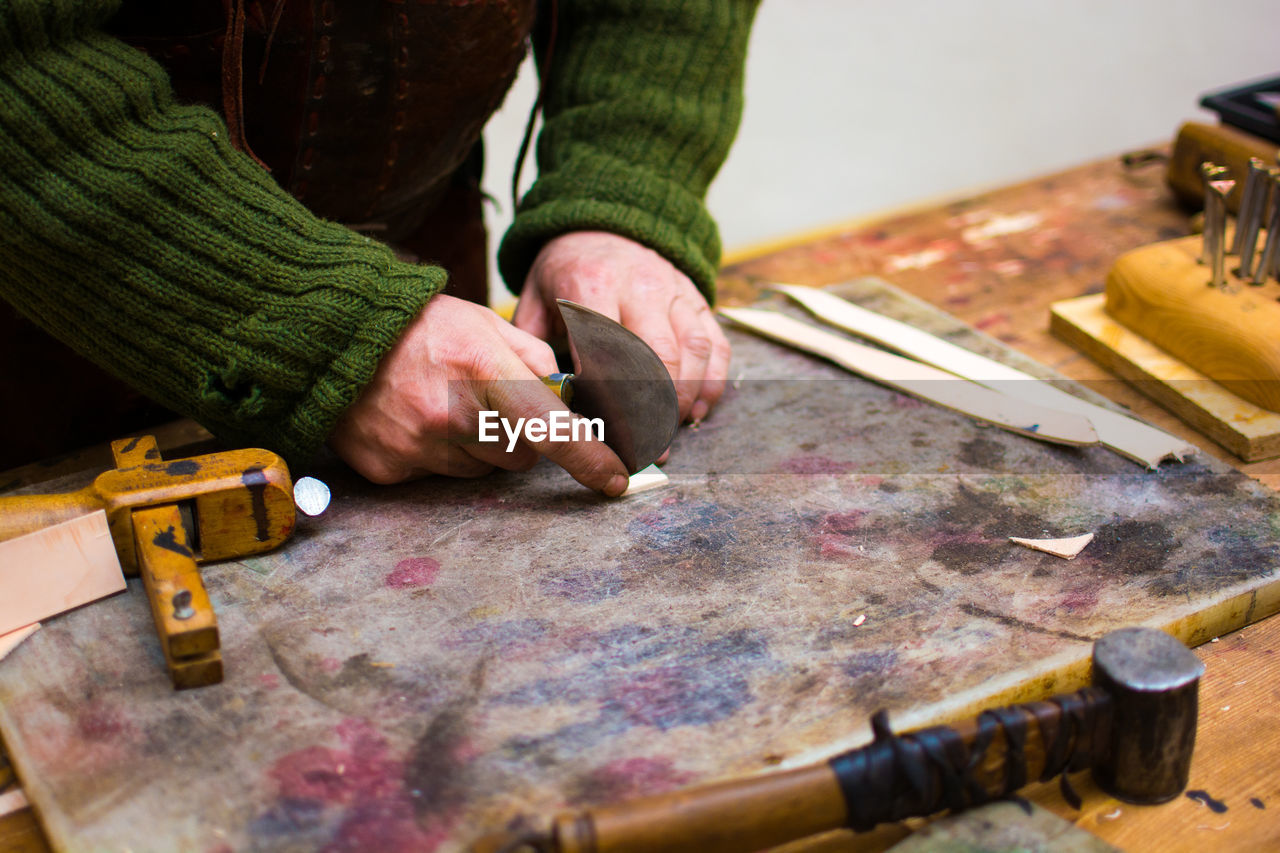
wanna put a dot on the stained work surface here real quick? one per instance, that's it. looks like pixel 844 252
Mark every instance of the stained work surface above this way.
pixel 430 662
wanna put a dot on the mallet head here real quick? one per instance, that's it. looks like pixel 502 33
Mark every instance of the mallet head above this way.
pixel 1153 681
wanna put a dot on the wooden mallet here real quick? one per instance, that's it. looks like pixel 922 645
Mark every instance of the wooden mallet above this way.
pixel 1135 728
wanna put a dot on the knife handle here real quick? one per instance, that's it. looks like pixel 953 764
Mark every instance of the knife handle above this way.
pixel 562 385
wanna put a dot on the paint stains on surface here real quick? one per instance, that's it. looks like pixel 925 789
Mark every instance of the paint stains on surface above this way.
pixel 673 696
pixel 413 573
pixel 182 467
pixel 357 796
pixel 1257 803
pixel 1111 201
pixel 842 534
pixel 626 778
pixel 967 556
pixel 993 320
pixel 915 261
pixel 647 677
pixel 100 722
pixel 360 672
pixel 845 523
pixel 1009 267
pixel 1000 225
pixel 873 663
pixel 1132 547
pixel 982 452
pixel 586 586
pixel 968 533
pixel 970 509
pixel 1215 806
pixel 816 465
pixel 436 769
pixel 1082 598
pixel 688 527
pixel 902 401
pixel 689 544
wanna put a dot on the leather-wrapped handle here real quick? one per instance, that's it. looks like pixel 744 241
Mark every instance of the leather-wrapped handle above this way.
pixel 894 777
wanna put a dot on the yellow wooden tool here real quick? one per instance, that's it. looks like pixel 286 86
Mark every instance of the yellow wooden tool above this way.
pixel 1228 333
pixel 166 517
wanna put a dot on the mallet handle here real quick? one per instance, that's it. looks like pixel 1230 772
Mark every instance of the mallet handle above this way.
pixel 894 777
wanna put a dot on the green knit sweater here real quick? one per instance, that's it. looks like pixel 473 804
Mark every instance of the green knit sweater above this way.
pixel 133 231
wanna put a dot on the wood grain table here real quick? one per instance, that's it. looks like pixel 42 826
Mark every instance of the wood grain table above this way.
pixel 996 260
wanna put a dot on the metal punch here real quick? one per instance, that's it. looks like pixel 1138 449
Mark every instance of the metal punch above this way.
pixel 1216 187
pixel 1252 206
pixel 1267 263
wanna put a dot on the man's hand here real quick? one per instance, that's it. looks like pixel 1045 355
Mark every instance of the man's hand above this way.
pixel 640 289
pixel 420 414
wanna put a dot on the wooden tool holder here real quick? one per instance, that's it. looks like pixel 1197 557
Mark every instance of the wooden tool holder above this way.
pixel 1231 334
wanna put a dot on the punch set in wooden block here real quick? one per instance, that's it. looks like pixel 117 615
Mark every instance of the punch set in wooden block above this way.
pixel 1193 321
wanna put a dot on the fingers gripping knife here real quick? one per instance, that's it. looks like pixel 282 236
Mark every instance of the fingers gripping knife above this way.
pixel 166 517
pixel 1135 728
pixel 620 380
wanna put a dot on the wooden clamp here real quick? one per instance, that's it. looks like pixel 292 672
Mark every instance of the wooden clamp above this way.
pixel 167 517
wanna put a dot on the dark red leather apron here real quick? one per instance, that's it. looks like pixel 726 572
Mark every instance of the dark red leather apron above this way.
pixel 369 112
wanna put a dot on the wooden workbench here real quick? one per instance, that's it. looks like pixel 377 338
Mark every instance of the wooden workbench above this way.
pixel 996 261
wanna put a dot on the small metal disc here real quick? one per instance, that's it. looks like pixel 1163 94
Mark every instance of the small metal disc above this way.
pixel 311 495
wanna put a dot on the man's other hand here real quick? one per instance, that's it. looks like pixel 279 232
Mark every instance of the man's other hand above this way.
pixel 640 289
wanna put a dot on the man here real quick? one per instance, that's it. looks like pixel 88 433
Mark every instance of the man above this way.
pixel 141 231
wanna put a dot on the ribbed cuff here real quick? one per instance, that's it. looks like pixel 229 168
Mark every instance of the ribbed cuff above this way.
pixel 642 100
pixel 595 194
pixel 134 232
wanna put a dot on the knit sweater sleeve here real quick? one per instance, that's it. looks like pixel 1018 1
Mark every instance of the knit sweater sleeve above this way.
pixel 133 231
pixel 642 99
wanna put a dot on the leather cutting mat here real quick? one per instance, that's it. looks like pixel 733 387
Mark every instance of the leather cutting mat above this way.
pixel 429 662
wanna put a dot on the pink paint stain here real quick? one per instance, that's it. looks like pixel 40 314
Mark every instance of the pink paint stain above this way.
pixel 269 680
pixel 835 547
pixel 871 480
pixel 844 523
pixel 330 664
pixel 632 777
pixel 412 573
pixel 102 723
pixel 81 742
pixel 651 696
pixel 367 782
pixel 992 320
pixel 1081 598
pixel 902 401
pixel 835 539
pixel 816 465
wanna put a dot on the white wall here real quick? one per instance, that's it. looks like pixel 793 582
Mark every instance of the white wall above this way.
pixel 855 106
